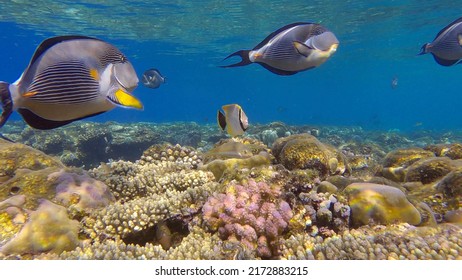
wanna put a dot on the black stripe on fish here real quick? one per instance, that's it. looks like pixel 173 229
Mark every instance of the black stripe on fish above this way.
pixel 66 82
pixel 112 55
pixel 240 121
pixel 282 50
pixel 221 120
pixel 38 122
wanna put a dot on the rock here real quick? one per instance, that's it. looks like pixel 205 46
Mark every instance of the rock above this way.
pixel 326 187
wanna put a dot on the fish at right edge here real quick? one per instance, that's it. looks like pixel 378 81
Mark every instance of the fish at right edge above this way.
pixel 446 48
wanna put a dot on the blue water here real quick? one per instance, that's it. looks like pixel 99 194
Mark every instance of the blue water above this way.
pixel 187 40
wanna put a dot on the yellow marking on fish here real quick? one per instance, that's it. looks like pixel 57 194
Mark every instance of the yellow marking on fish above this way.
pixel 128 100
pixel 30 93
pixel 94 74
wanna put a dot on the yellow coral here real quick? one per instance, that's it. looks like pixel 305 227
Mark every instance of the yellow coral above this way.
pixel 219 167
pixel 48 229
pixel 380 204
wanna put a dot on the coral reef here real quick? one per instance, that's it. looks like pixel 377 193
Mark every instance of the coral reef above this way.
pixel 185 191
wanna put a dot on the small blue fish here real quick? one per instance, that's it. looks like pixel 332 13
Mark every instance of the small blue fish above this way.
pixel 446 48
pixel 152 78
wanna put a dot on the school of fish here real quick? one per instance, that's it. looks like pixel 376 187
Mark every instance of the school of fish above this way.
pixel 75 77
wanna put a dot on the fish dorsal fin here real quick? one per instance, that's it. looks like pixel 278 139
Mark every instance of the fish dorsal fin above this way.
pixel 447 27
pixel 221 119
pixel 272 35
pixel 302 49
pixel 50 42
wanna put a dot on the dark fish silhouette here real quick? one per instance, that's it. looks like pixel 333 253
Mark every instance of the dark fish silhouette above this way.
pixel 293 48
pixel 446 48
pixel 70 78
pixel 152 78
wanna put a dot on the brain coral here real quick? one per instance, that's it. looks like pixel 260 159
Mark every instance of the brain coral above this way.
pixel 304 151
pixel 380 204
pixel 253 213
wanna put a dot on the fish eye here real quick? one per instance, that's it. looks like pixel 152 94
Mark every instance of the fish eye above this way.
pixel 15 190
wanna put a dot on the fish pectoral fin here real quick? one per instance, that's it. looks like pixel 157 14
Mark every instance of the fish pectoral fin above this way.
pixel 459 39
pixel 30 93
pixel 302 49
pixel 122 98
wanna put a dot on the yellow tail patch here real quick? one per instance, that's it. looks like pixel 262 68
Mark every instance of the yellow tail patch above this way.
pixel 128 100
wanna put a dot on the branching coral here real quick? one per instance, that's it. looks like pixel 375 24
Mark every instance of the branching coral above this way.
pixel 253 213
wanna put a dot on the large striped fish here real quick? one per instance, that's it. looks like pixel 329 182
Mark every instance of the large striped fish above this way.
pixel 70 78
pixel 446 48
pixel 290 49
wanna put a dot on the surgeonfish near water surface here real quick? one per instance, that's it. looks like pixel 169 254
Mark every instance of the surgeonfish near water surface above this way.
pixel 293 48
pixel 233 119
pixel 70 78
pixel 152 78
pixel 446 48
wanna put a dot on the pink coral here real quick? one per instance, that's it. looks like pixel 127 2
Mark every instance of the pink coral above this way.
pixel 253 214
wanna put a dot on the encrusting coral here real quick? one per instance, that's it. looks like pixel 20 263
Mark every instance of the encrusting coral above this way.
pixel 380 204
pixel 47 229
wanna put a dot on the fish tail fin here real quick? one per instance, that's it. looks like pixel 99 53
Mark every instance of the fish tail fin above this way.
pixel 243 54
pixel 423 49
pixel 6 102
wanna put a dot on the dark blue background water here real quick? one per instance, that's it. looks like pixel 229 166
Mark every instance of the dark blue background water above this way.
pixel 378 41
